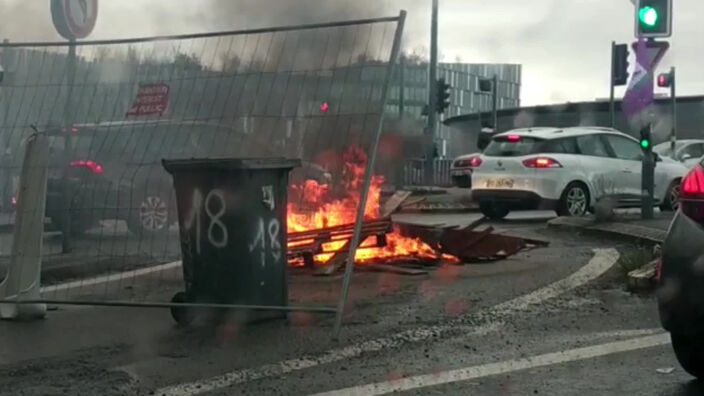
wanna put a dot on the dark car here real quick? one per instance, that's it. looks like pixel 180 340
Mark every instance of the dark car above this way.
pixel 115 171
pixel 680 276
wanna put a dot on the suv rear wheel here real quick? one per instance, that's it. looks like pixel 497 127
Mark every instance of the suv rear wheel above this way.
pixel 574 201
pixel 672 198
pixel 493 210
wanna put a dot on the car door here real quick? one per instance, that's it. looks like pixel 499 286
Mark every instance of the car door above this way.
pixel 628 156
pixel 605 173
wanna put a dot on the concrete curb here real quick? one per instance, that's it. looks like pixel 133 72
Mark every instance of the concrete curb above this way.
pixel 641 280
pixel 625 230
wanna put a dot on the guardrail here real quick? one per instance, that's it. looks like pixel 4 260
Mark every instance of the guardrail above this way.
pixel 414 173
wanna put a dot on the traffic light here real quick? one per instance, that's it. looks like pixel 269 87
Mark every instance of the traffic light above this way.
pixel 645 139
pixel 620 64
pixel 665 80
pixel 653 18
pixel 443 96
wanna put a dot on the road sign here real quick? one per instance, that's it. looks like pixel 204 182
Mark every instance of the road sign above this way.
pixel 151 99
pixel 639 94
pixel 74 19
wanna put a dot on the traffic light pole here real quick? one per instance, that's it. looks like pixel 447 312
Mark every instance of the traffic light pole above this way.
pixel 495 102
pixel 673 97
pixel 647 178
pixel 432 97
pixel 612 107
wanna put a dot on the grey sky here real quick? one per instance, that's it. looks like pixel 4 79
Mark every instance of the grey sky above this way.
pixel 562 44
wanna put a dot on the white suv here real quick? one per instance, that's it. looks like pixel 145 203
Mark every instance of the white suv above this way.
pixel 567 170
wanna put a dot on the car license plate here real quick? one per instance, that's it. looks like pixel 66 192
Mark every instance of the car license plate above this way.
pixel 499 183
pixel 461 173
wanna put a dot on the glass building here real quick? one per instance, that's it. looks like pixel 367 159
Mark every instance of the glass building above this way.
pixel 409 92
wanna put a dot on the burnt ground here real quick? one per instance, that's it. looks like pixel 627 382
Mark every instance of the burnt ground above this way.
pixel 103 350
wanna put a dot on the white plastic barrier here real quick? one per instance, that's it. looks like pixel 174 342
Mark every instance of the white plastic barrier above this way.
pixel 22 282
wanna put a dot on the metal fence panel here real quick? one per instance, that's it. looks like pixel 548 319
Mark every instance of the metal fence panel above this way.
pixel 414 173
pixel 312 92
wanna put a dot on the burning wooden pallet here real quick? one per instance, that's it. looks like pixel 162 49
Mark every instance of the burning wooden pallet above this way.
pixel 306 245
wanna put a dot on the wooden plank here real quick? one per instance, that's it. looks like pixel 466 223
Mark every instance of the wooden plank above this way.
pixel 336 262
pixel 413 201
pixel 392 269
pixel 475 224
pixel 394 203
pixel 336 231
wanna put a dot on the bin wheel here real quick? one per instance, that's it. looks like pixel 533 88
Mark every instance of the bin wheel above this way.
pixel 182 315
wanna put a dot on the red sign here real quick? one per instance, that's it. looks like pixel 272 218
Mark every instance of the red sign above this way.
pixel 151 99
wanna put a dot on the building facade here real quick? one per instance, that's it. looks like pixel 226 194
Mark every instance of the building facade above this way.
pixel 689 124
pixel 409 93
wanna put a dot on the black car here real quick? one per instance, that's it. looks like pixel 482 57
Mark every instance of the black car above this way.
pixel 115 171
pixel 680 276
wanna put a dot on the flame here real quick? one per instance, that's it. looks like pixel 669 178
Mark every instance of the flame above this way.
pixel 321 206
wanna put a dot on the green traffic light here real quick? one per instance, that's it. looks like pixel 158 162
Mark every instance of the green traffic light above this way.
pixel 645 143
pixel 648 16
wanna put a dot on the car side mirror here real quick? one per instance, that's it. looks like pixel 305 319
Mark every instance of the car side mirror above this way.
pixel 657 157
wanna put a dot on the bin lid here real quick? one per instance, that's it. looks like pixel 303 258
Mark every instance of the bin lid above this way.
pixel 196 164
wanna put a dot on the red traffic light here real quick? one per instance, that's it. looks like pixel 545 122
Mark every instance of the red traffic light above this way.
pixel 664 80
pixel 324 107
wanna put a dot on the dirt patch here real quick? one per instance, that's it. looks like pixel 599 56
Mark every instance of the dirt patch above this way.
pixel 78 375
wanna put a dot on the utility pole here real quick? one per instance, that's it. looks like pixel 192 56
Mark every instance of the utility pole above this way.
pixel 495 101
pixel 612 107
pixel 401 86
pixel 673 97
pixel 432 96
pixel 653 20
pixel 619 75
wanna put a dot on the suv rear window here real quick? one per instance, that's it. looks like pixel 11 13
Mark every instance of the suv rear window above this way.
pixel 504 147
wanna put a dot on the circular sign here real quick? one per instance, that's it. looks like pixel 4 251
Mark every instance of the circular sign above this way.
pixel 74 19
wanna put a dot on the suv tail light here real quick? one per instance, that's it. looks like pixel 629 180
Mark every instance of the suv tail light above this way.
pixel 92 165
pixel 473 162
pixel 692 194
pixel 541 162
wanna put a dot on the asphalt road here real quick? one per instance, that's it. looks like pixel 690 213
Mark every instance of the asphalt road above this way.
pixel 476 329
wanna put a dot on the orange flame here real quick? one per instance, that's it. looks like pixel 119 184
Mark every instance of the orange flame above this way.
pixel 320 206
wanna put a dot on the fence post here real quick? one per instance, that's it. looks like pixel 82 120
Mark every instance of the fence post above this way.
pixel 349 267
pixel 68 152
pixel 24 273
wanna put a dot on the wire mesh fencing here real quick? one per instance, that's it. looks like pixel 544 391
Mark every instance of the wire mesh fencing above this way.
pixel 113 110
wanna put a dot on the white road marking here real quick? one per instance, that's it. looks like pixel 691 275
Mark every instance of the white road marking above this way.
pixel 602 261
pixel 486 370
pixel 109 278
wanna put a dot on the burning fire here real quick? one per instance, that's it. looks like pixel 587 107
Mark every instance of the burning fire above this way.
pixel 321 206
